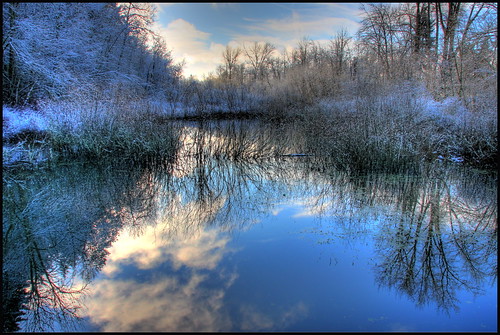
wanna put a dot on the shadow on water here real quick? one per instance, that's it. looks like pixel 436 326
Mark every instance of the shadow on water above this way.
pixel 436 231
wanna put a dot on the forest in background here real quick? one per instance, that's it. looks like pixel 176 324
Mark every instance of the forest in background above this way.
pixel 101 65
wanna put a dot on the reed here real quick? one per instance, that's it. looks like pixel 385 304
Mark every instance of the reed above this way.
pixel 366 134
pixel 109 131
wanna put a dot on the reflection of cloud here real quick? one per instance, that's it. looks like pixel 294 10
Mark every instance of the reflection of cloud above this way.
pixel 167 304
pixel 314 206
pixel 203 249
pixel 253 319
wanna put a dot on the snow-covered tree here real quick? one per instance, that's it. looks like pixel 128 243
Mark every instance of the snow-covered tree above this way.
pixel 52 50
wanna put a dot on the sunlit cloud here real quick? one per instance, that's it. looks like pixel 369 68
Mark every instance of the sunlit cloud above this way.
pixel 203 250
pixel 295 27
pixel 285 33
pixel 202 55
pixel 191 45
pixel 166 302
pixel 196 247
pixel 179 303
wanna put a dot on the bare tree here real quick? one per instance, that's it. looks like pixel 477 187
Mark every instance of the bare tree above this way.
pixel 258 55
pixel 230 57
pixel 339 47
pixel 380 33
pixel 469 61
pixel 302 54
pixel 449 22
pixel 422 27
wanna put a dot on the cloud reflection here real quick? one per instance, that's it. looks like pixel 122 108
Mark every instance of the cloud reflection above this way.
pixel 201 250
pixel 167 304
pixel 255 319
pixel 170 301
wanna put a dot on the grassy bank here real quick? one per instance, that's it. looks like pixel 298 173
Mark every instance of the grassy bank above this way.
pixel 400 131
pixel 97 131
pixel 392 132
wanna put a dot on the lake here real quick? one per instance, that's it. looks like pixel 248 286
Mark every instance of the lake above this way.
pixel 245 230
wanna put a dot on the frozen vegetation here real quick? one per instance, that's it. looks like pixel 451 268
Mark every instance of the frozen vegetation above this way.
pixel 92 80
pixel 431 130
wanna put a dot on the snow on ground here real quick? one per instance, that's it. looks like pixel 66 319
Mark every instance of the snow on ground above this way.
pixel 18 120
pixel 15 121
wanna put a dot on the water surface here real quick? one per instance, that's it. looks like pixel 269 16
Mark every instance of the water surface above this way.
pixel 242 234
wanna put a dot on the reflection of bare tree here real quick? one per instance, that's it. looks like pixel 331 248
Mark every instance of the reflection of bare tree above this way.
pixel 59 225
pixel 48 297
pixel 436 249
pixel 51 296
pixel 56 231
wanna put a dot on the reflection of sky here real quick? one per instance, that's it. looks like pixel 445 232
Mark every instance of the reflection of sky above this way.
pixel 164 301
pixel 146 251
pixel 288 272
pixel 306 262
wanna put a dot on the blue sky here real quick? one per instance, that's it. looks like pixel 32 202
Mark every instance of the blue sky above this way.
pixel 198 32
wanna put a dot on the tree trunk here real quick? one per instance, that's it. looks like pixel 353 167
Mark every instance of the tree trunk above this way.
pixel 449 31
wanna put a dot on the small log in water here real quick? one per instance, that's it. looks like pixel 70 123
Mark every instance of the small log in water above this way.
pixel 296 155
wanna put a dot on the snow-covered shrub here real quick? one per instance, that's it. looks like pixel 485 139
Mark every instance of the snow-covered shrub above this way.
pixel 399 129
pixel 99 128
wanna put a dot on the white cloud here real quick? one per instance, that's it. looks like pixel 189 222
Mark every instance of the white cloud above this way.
pixel 288 31
pixel 165 304
pixel 191 45
pixel 200 248
pixel 168 301
pixel 319 24
pixel 202 55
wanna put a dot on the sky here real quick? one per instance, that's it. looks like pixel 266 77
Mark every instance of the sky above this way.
pixel 198 33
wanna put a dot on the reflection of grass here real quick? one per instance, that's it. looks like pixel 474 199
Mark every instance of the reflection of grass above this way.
pixel 81 211
pixel 26 154
pixel 238 140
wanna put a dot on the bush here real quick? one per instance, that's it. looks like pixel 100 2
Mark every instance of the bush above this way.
pixel 104 130
pixel 394 132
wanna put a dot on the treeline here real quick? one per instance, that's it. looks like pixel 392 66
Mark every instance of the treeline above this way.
pixel 52 50
pixel 55 50
pixel 449 47
pixel 418 81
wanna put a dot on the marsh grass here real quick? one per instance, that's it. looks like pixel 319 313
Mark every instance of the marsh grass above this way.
pixel 366 135
pixel 109 131
pixel 397 133
pixel 391 133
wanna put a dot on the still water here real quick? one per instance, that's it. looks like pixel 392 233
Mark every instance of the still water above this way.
pixel 229 237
